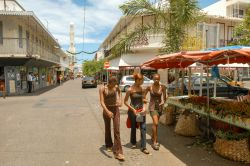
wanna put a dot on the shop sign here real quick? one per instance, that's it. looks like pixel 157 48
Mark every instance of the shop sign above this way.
pixel 106 65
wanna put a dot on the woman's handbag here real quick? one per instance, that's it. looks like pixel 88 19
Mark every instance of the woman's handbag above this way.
pixel 128 122
pixel 139 117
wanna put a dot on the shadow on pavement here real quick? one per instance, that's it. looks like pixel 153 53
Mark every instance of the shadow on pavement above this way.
pixel 104 151
pixel 186 150
pixel 37 92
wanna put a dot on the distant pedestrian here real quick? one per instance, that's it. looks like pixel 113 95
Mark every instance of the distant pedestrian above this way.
pixel 29 80
pixel 137 108
pixel 158 98
pixel 110 98
pixel 60 79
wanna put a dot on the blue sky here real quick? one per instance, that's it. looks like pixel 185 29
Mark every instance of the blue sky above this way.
pixel 94 46
pixel 100 15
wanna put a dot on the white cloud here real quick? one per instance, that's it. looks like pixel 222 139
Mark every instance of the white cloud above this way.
pixel 101 15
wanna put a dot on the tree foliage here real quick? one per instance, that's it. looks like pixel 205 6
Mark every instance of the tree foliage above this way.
pixel 242 31
pixel 170 19
pixel 91 67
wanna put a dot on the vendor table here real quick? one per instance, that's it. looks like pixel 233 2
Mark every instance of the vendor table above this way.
pixel 236 121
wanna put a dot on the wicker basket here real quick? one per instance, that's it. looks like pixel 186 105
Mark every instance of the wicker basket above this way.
pixel 187 125
pixel 233 149
pixel 168 117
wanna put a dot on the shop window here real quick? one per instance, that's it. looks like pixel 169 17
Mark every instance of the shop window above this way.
pixel 23 77
pixel 36 74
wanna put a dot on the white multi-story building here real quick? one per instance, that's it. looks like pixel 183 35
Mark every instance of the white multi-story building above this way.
pixel 26 46
pixel 72 49
pixel 215 31
pixel 228 8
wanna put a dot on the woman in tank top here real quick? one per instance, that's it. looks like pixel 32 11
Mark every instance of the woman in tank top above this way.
pixel 157 99
pixel 136 107
pixel 110 98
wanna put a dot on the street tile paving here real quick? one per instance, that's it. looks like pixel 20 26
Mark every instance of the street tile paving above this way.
pixel 64 126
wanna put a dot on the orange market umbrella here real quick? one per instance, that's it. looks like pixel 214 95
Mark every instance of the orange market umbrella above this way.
pixel 176 60
pixel 227 56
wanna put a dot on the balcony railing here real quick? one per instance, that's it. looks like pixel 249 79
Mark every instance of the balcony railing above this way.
pixel 25 47
pixel 197 43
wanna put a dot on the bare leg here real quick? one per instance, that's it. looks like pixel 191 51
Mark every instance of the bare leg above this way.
pixel 155 128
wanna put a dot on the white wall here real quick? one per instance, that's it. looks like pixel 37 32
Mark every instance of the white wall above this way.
pixel 163 74
pixel 10 6
pixel 218 8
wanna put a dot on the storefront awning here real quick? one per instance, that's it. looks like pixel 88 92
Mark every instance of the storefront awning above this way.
pixel 134 59
pixel 25 62
pixel 129 61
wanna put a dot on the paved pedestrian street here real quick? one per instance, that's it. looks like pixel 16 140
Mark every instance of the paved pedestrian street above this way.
pixel 64 127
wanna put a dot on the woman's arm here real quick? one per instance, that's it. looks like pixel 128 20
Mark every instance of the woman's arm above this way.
pixel 119 100
pixel 126 101
pixel 164 95
pixel 105 109
pixel 144 108
pixel 145 94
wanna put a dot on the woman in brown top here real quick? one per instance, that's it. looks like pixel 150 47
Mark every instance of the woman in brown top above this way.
pixel 135 93
pixel 157 92
pixel 110 98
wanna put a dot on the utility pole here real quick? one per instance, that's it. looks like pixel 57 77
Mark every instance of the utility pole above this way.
pixel 4 5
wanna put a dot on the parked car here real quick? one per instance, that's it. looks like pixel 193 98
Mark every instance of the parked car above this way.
pixel 128 81
pixel 223 77
pixel 89 82
pixel 231 82
pixel 223 88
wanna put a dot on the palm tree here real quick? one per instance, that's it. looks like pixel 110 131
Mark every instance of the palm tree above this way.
pixel 171 19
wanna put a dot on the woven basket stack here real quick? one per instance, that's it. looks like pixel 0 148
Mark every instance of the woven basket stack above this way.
pixel 170 115
pixel 233 149
pixel 187 125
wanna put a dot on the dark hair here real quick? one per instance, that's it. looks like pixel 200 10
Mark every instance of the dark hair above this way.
pixel 137 76
pixel 112 79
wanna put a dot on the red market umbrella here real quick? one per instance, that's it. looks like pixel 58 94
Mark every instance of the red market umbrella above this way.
pixel 227 56
pixel 175 60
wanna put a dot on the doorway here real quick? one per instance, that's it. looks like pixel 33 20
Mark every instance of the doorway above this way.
pixel 2 79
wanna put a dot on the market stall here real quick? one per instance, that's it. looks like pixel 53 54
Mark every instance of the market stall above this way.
pixel 232 144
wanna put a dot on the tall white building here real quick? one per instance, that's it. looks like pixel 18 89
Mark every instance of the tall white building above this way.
pixel 72 38
pixel 72 48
